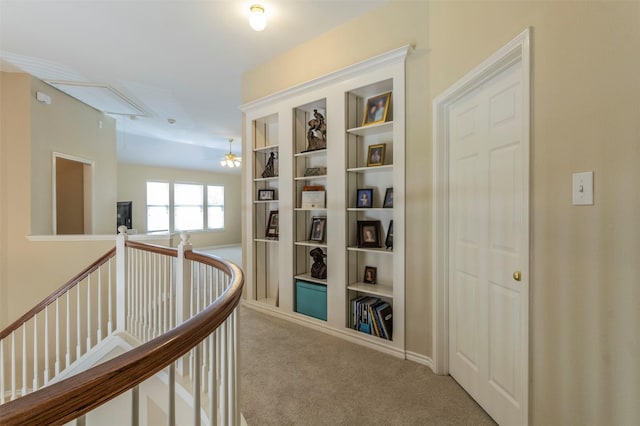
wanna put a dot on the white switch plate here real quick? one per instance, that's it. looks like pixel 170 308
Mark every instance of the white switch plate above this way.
pixel 582 189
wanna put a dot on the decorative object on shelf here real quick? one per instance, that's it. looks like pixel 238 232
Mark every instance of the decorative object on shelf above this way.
pixel 388 199
pixel 364 198
pixel 123 211
pixel 317 133
pixel 266 194
pixel 370 275
pixel 375 155
pixel 230 159
pixel 313 197
pixel 369 233
pixel 371 315
pixel 257 17
pixel 318 229
pixel 388 242
pixel 273 225
pixel 315 171
pixel 377 109
pixel 319 268
pixel 270 169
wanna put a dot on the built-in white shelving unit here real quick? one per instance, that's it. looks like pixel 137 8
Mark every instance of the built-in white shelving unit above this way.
pixel 279 272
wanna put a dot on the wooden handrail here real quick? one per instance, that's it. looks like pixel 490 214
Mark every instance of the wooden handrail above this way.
pixel 57 293
pixel 153 248
pixel 68 399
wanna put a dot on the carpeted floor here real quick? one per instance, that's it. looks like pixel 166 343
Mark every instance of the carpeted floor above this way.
pixel 292 375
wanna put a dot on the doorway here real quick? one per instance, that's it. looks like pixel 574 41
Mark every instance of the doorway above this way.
pixel 72 195
pixel 481 222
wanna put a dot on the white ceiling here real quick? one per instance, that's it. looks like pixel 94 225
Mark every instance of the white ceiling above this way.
pixel 178 59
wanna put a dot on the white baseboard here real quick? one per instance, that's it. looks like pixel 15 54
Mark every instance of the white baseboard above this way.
pixel 420 359
pixel 315 325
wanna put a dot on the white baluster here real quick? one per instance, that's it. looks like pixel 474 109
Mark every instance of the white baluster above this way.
pixel 196 388
pixel 110 301
pixel 13 365
pixel 2 369
pixel 121 278
pixel 89 331
pixel 35 385
pixel 213 380
pixel 99 328
pixel 224 354
pixel 45 374
pixel 24 359
pixel 68 331
pixel 57 362
pixel 78 323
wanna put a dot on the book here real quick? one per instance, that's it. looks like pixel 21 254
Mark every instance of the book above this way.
pixel 385 313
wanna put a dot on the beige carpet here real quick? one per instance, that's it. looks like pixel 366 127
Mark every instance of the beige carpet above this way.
pixel 291 375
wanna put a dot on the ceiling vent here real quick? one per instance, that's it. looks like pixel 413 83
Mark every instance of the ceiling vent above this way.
pixel 101 97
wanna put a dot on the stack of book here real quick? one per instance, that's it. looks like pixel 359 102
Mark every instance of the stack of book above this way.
pixel 372 316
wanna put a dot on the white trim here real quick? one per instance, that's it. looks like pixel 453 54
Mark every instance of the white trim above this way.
pixel 517 50
pixel 420 359
pixel 96 237
pixel 333 77
pixel 316 325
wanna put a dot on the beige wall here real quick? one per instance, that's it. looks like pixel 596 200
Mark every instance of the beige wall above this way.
pixel 585 298
pixel 22 284
pixel 132 181
pixel 71 127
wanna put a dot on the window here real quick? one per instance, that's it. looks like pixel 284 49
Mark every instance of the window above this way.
pixel 215 207
pixel 188 207
pixel 157 206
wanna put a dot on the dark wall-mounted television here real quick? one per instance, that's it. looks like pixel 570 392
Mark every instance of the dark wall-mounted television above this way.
pixel 124 214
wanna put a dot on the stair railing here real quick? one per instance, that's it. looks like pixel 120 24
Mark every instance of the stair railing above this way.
pixel 178 304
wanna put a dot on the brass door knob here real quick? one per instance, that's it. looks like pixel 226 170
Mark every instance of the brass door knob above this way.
pixel 517 275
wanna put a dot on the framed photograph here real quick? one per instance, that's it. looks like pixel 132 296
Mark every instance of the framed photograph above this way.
pixel 376 109
pixel 318 229
pixel 273 224
pixel 375 155
pixel 388 199
pixel 370 275
pixel 369 233
pixel 364 198
pixel 266 194
pixel 313 200
pixel 388 242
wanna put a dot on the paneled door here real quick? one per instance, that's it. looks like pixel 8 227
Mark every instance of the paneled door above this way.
pixel 488 247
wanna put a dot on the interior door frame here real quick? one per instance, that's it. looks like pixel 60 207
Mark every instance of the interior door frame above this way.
pixel 517 50
pixel 88 174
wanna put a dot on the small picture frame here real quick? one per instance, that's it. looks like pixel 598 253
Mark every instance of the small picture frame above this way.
pixel 388 199
pixel 370 275
pixel 273 225
pixel 376 109
pixel 369 233
pixel 318 229
pixel 388 242
pixel 375 155
pixel 364 198
pixel 266 194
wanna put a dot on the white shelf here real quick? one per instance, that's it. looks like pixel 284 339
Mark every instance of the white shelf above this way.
pixel 266 148
pixel 374 289
pixel 370 250
pixel 308 277
pixel 311 177
pixel 310 244
pixel 265 201
pixel 370 209
pixel 300 209
pixel 311 153
pixel 370 169
pixel 264 240
pixel 373 129
pixel 266 179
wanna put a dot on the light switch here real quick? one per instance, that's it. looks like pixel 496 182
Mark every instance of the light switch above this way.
pixel 583 189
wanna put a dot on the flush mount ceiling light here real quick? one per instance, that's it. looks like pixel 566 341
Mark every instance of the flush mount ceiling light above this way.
pixel 230 159
pixel 257 17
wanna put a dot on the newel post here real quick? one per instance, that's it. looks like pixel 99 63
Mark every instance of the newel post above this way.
pixel 183 290
pixel 183 280
pixel 121 278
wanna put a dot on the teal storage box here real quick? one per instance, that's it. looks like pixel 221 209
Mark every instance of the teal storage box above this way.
pixel 311 299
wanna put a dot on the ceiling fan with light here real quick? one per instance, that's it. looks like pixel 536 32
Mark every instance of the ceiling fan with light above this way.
pixel 230 159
